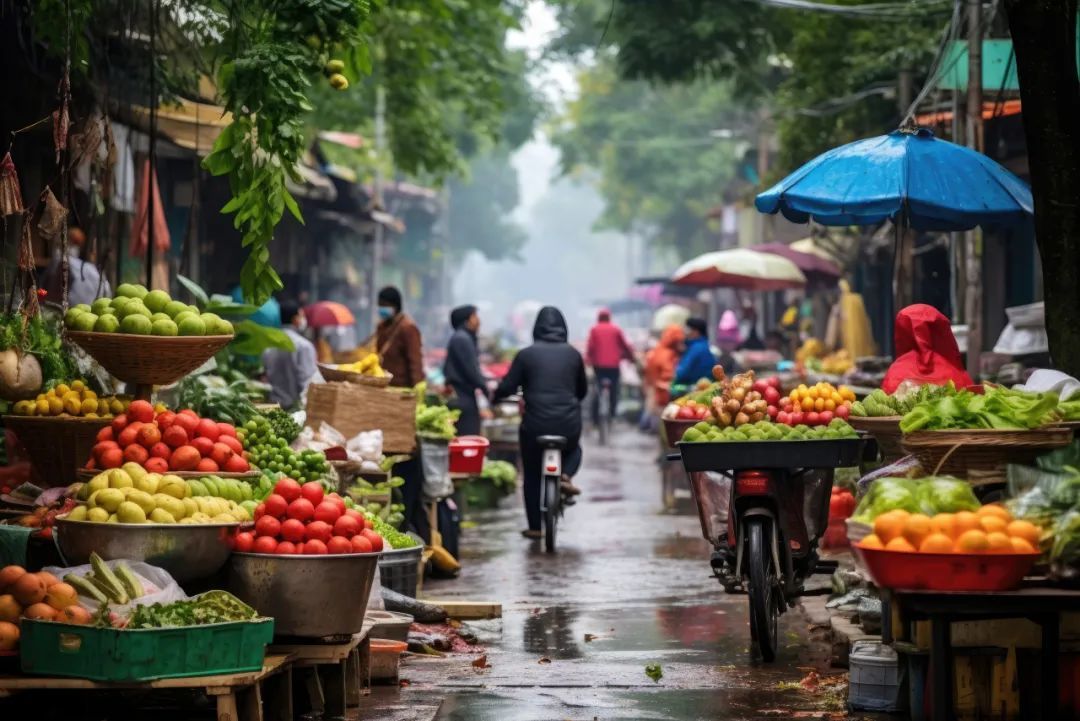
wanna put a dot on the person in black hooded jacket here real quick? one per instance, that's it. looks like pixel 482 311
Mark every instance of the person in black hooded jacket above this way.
pixel 462 368
pixel 551 375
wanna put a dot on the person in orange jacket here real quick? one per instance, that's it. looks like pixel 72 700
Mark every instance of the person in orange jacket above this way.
pixel 660 365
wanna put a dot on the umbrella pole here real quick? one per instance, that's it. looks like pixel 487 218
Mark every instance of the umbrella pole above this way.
pixel 902 261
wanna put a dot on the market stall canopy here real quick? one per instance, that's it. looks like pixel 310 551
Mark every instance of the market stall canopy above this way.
pixel 740 268
pixel 328 313
pixel 907 176
pixel 814 267
pixel 189 124
pixel 669 314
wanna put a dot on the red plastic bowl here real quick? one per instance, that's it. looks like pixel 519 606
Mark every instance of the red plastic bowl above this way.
pixel 467 454
pixel 947 571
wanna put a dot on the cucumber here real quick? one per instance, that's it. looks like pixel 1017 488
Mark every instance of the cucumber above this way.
pixel 107 580
pixel 129 581
pixel 85 588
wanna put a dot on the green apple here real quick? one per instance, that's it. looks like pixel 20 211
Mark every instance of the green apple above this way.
pixel 192 325
pixel 107 324
pixel 136 325
pixel 156 300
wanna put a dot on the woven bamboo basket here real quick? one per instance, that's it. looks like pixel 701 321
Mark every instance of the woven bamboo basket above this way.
pixel 981 456
pixel 352 408
pixel 885 429
pixel 149 360
pixel 334 374
pixel 86 474
pixel 57 445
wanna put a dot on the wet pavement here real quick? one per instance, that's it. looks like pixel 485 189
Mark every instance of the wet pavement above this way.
pixel 629 587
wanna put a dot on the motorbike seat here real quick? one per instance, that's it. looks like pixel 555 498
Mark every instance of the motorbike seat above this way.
pixel 558 442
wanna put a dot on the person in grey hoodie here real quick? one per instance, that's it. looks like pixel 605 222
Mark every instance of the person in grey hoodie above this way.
pixel 462 368
pixel 551 375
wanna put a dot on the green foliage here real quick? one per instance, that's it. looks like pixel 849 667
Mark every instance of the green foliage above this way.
pixel 480 207
pixel 661 170
pixel 278 47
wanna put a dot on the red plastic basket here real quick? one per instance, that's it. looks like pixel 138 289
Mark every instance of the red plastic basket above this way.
pixel 947 571
pixel 467 454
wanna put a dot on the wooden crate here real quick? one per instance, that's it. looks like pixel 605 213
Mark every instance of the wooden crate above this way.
pixel 352 408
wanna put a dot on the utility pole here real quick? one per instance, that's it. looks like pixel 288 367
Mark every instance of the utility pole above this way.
pixel 377 243
pixel 974 137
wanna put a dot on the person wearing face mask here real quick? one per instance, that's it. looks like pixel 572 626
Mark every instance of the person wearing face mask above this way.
pixel 397 340
pixel 462 368
pixel 290 372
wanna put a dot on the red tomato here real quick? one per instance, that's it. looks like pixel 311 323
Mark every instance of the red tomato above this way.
pixel 299 549
pixel 337 501
pixel 773 381
pixel 226 430
pixel 286 548
pixel 825 417
pixel 313 491
pixel 105 434
pixel 301 509
pixel 141 411
pixel 265 544
pixel 260 511
pixel 843 411
pixel 318 531
pixel 347 526
pixel 339 545
pixel 267 525
pixel 288 489
pixel 783 417
pixel 207 429
pixel 685 413
pixel 773 412
pixel 327 512
pixel 797 418
pixel 204 446
pixel 368 524
pixel 771 395
pixel 244 542
pixel 360 544
pixel 188 412
pixel 292 530
pixel 314 547
pixel 813 418
pixel 375 538
pixel 275 505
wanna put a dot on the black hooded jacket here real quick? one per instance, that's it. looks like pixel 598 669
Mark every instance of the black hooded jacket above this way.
pixel 462 366
pixel 551 374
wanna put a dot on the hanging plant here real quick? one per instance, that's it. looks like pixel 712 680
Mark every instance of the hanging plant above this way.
pixel 279 46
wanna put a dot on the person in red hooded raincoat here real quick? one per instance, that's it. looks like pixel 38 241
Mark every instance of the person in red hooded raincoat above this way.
pixel 926 350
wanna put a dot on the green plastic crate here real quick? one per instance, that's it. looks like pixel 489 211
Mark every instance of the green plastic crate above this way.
pixel 108 654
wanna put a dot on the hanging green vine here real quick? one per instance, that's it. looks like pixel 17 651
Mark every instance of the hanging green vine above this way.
pixel 279 47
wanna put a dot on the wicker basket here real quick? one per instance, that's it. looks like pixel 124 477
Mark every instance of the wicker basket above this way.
pixel 886 430
pixel 332 373
pixel 352 408
pixel 150 360
pixel 86 474
pixel 981 456
pixel 57 445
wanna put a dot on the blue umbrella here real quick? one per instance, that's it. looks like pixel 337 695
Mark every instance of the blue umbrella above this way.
pixel 908 176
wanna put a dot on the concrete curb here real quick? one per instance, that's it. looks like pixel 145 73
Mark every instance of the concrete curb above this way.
pixel 839 627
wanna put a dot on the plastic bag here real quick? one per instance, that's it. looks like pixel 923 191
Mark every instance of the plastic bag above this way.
pixel 944 494
pixel 712 491
pixel 366 446
pixel 435 461
pixel 887 494
pixel 902 467
pixel 1065 552
pixel 158 585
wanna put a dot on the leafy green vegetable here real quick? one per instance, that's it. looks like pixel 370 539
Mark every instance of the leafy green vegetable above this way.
pixel 210 607
pixel 887 494
pixel 434 421
pixel 654 671
pixel 944 495
pixel 501 474
pixel 997 407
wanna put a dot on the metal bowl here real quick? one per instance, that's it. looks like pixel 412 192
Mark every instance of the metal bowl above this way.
pixel 309 596
pixel 186 551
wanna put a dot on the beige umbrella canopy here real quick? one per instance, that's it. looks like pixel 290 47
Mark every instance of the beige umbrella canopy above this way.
pixel 740 268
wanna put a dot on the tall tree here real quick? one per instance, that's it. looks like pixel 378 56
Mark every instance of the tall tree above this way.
pixel 1044 34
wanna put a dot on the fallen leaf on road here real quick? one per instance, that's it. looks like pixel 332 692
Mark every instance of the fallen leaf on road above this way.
pixel 590 637
pixel 655 672
pixel 404 683
pixel 544 659
pixel 481 663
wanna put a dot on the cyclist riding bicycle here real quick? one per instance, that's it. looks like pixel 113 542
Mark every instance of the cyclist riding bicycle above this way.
pixel 551 375
pixel 607 348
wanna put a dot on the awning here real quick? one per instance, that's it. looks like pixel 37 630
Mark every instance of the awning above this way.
pixel 189 124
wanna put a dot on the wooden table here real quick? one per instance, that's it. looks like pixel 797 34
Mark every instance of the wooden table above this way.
pixel 239 696
pixel 336 674
pixel 1039 604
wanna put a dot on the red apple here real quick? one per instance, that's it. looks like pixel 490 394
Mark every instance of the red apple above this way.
pixel 301 509
pixel 275 505
pixel 339 545
pixel 813 418
pixel 314 547
pixel 292 530
pixel 265 544
pixel 313 491
pixel 288 489
pixel 319 531
pixel 244 542
pixel 327 512
pixel 267 525
pixel 286 548
pixel 347 526
pixel 360 544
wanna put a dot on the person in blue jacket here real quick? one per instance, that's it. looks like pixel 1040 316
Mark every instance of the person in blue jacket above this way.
pixel 697 361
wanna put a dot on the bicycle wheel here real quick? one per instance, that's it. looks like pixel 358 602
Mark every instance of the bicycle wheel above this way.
pixel 551 511
pixel 764 606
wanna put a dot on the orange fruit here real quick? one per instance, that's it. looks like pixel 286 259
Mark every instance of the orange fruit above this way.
pixel 830 404
pixel 999 542
pixel 972 541
pixel 916 529
pixel 994 509
pixel 10 609
pixel 945 524
pixel 899 544
pixel 888 526
pixel 871 541
pixel 993 524
pixel 936 543
pixel 819 404
pixel 807 403
pixel 965 521
pixel 812 393
pixel 1021 545
pixel 1025 530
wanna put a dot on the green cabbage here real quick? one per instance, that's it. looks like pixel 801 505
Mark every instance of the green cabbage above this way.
pixel 887 494
pixel 945 495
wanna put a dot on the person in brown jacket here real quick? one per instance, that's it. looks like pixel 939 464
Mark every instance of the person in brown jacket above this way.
pixel 398 341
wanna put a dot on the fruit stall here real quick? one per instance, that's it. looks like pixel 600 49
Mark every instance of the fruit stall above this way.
pixel 222 531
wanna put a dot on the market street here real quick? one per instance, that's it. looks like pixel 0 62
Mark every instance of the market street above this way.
pixel 629 587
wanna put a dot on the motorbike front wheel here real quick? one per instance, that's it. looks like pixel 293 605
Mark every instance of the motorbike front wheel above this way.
pixel 762 588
